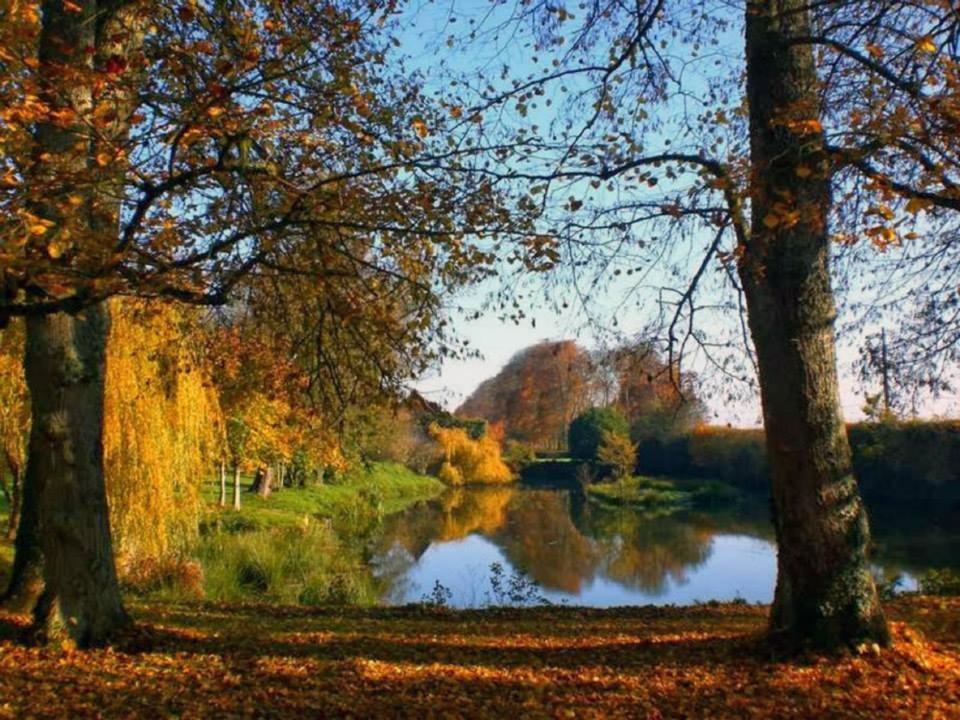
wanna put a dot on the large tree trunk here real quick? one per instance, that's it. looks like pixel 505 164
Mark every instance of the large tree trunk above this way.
pixel 26 577
pixel 64 364
pixel 64 357
pixel 825 595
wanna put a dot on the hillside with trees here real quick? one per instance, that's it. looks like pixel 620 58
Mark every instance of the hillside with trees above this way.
pixel 544 387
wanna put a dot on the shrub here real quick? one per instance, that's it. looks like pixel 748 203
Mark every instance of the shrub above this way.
pixel 617 452
pixel 518 454
pixel 168 574
pixel 586 431
pixel 304 565
pixel 467 460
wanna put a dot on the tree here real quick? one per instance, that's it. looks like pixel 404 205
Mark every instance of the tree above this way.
pixel 745 182
pixel 26 581
pixel 589 428
pixel 825 592
pixel 168 151
pixel 536 394
pixel 617 452
pixel 14 420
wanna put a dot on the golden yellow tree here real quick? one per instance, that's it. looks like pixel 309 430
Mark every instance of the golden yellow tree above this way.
pixel 467 460
pixel 14 420
pixel 163 429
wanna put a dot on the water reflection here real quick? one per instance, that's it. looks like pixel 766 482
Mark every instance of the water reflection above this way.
pixel 583 553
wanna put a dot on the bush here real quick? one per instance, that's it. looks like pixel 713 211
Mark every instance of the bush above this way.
pixel 305 565
pixel 167 575
pixel 467 460
pixel 617 453
pixel 586 431
pixel 518 454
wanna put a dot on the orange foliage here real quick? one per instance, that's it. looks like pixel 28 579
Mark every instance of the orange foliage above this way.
pixel 467 460
pixel 162 429
pixel 220 661
pixel 537 393
pixel 467 512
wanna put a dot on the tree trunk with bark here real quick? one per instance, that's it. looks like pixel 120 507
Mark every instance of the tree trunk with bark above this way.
pixel 64 364
pixel 825 595
pixel 223 485
pixel 236 487
pixel 65 351
pixel 262 481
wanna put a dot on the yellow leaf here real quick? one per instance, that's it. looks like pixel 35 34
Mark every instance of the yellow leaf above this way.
pixel 39 228
pixel 215 111
pixel 916 205
pixel 925 44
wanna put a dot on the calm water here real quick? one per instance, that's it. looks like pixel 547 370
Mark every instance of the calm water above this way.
pixel 578 552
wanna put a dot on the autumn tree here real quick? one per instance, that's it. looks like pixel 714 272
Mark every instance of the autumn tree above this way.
pixel 536 394
pixel 14 421
pixel 733 192
pixel 168 151
pixel 617 452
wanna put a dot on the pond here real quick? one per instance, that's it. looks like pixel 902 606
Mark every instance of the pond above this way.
pixel 474 547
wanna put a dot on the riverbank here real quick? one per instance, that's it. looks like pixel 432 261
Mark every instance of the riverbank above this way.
pixel 388 487
pixel 660 495
pixel 206 660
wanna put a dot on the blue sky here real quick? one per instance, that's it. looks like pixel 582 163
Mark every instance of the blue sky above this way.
pixel 423 33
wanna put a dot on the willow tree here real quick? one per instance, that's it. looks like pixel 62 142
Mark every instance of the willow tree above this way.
pixel 162 429
pixel 169 151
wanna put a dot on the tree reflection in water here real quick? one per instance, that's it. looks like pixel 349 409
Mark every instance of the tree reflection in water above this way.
pixel 571 547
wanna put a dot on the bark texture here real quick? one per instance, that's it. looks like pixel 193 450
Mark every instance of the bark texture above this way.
pixel 223 485
pixel 263 481
pixel 64 364
pixel 236 487
pixel 64 357
pixel 825 595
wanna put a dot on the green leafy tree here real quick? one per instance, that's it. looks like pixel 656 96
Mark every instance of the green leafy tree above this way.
pixel 587 431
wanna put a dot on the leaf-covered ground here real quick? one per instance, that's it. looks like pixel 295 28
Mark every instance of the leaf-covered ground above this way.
pixel 204 661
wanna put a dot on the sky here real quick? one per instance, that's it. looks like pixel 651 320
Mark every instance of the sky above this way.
pixel 422 34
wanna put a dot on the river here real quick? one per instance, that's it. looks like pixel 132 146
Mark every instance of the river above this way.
pixel 475 547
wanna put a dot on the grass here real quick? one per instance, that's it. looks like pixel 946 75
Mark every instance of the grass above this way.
pixel 390 486
pixel 656 494
pixel 199 660
pixel 299 545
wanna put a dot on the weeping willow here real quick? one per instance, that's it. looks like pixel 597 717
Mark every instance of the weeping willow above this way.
pixel 163 430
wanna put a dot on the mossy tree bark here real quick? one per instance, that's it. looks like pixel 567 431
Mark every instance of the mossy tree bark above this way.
pixel 65 351
pixel 825 595
pixel 81 600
